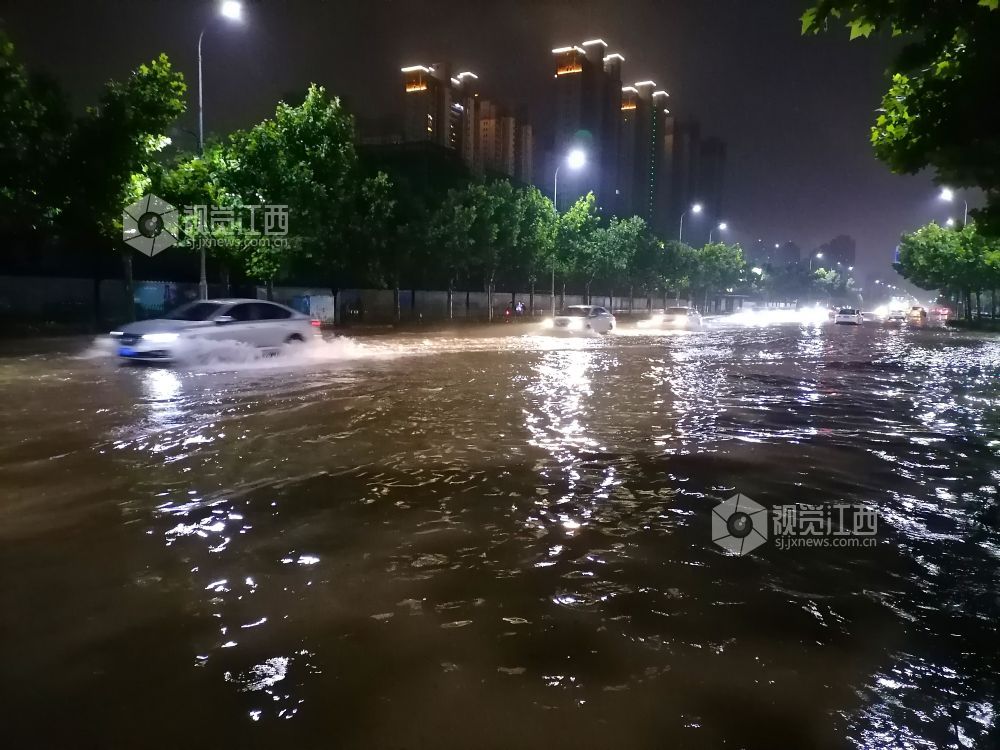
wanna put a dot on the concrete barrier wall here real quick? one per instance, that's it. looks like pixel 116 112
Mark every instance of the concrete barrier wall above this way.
pixel 69 299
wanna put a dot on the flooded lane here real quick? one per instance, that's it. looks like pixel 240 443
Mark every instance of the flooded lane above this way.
pixel 502 540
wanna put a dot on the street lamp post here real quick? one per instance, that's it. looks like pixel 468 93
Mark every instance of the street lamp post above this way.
pixel 575 159
pixel 696 208
pixel 723 226
pixel 811 257
pixel 233 10
pixel 948 195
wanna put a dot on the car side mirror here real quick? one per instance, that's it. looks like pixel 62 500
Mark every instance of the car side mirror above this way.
pixel 223 319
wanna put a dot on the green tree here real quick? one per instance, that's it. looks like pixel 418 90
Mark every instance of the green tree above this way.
pixel 677 267
pixel 302 158
pixel 498 226
pixel 940 110
pixel 624 239
pixel 114 149
pixel 450 239
pixel 34 125
pixel 960 262
pixel 717 266
pixel 533 252
pixel 577 235
pixel 375 249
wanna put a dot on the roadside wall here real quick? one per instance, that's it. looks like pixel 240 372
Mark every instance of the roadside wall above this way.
pixel 35 299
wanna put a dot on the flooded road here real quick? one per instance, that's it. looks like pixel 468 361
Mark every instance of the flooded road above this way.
pixel 502 541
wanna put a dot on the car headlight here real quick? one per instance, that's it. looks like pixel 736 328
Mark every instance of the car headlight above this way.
pixel 159 338
pixel 549 323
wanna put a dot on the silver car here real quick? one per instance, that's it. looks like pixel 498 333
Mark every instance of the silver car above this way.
pixel 583 319
pixel 674 317
pixel 257 323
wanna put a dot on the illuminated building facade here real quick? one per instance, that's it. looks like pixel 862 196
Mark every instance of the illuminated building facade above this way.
pixel 448 110
pixel 640 153
pixel 588 97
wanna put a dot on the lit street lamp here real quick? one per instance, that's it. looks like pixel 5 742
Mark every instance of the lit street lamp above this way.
pixel 723 226
pixel 948 195
pixel 950 222
pixel 811 257
pixel 696 208
pixel 575 159
pixel 233 11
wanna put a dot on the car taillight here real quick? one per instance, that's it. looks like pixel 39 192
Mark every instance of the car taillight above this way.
pixel 315 323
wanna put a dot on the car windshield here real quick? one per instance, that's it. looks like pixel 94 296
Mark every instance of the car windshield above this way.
pixel 195 311
pixel 575 312
pixel 848 311
pixel 677 311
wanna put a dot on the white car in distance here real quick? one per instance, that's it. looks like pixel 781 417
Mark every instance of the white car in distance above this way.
pixel 674 318
pixel 849 316
pixel 583 319
pixel 252 322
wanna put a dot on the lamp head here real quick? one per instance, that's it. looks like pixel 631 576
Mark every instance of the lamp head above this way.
pixel 576 158
pixel 231 9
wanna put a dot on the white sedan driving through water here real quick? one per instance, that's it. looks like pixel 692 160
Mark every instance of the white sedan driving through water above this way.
pixel 583 319
pixel 673 317
pixel 251 322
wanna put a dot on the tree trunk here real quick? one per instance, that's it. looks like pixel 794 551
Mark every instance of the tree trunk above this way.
pixel 451 301
pixel 968 305
pixel 396 312
pixel 531 299
pixel 562 296
pixel 129 287
pixel 586 294
pixel 224 278
pixel 631 300
pixel 270 290
pixel 979 307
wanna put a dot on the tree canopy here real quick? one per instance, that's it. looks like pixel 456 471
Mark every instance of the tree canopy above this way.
pixel 941 110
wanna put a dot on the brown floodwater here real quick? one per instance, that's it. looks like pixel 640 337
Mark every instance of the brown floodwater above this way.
pixel 500 540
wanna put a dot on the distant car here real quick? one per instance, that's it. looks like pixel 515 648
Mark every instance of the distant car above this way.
pixel 896 315
pixel 258 323
pixel 674 317
pixel 849 316
pixel 584 319
pixel 917 313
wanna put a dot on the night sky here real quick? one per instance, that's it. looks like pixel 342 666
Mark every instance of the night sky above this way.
pixel 795 112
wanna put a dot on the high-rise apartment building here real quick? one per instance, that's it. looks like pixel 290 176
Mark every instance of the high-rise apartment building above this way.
pixel 427 110
pixel 449 111
pixel 640 152
pixel 588 99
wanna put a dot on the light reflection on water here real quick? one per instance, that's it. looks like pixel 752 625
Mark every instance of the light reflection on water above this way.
pixel 518 527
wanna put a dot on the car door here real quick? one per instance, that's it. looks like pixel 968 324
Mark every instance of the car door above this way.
pixel 601 321
pixel 242 327
pixel 272 324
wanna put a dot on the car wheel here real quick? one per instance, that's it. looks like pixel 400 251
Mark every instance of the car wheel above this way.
pixel 295 339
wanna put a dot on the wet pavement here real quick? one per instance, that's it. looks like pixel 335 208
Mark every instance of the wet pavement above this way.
pixel 501 540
